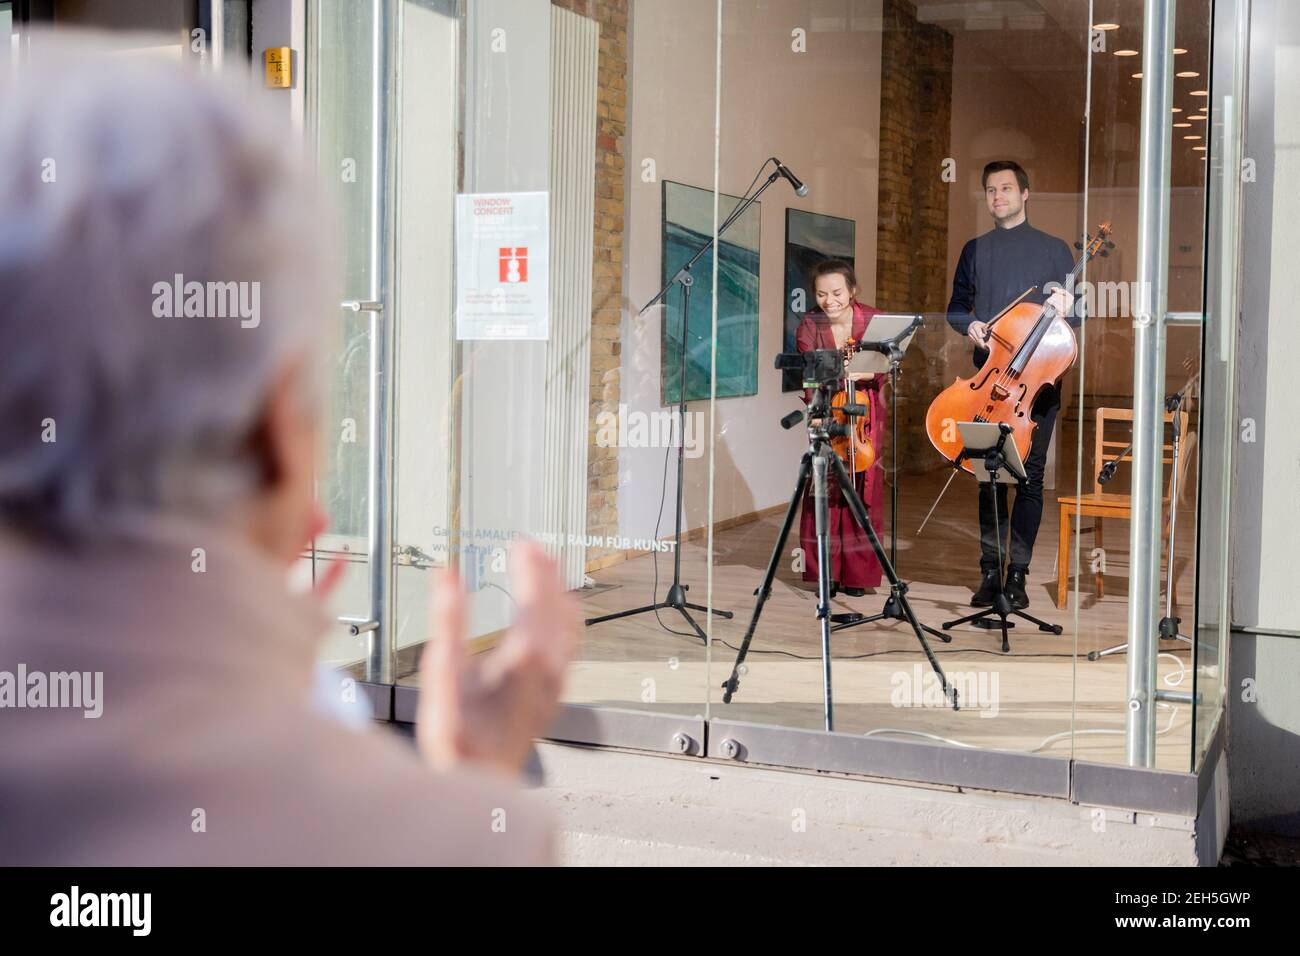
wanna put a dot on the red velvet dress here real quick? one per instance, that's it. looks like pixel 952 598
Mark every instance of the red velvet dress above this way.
pixel 853 563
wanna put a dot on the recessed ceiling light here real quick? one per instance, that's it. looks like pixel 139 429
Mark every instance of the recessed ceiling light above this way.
pixel 1182 126
pixel 1194 116
pixel 1191 137
pixel 1199 148
pixel 1126 52
pixel 1200 93
pixel 1105 26
pixel 1178 51
pixel 1203 109
pixel 1137 76
pixel 1178 109
pixel 1187 74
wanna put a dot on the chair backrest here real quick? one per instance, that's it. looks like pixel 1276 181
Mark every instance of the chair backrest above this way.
pixel 1108 446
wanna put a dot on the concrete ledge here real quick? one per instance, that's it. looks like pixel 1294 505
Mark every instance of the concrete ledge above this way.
pixel 622 808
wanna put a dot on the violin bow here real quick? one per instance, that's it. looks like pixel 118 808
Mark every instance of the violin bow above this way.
pixel 1015 303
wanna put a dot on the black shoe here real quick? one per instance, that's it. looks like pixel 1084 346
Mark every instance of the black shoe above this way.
pixel 1015 589
pixel 855 592
pixel 988 589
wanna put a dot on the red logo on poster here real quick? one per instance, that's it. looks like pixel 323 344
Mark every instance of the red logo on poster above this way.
pixel 513 263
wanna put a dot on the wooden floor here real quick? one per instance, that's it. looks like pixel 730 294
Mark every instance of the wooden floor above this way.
pixel 1029 700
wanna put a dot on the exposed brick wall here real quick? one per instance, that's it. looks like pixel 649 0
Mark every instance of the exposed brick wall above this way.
pixel 912 233
pixel 607 265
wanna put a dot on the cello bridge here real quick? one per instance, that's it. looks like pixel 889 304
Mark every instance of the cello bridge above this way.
pixel 999 392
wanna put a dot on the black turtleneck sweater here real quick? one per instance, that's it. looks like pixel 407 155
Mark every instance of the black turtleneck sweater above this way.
pixel 996 267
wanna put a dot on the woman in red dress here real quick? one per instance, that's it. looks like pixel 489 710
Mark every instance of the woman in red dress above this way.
pixel 839 316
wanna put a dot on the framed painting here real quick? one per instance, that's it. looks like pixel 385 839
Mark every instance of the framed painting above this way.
pixel 810 237
pixel 687 228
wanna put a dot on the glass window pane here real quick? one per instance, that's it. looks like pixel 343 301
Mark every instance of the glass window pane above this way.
pixel 655 212
pixel 889 112
pixel 1218 426
pixel 1100 518
pixel 529 398
pixel 341 105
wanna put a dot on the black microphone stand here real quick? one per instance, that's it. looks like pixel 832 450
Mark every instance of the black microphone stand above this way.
pixel 676 596
pixel 1169 625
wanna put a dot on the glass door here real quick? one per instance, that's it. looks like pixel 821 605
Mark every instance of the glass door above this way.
pixel 531 394
pixel 346 102
pixel 1224 109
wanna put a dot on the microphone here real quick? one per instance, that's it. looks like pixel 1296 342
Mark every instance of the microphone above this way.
pixel 799 188
pixel 1108 470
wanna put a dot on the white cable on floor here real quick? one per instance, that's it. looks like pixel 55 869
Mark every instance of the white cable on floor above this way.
pixel 1182 669
pixel 1047 741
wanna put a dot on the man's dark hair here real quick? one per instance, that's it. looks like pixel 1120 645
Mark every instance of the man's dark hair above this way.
pixel 998 165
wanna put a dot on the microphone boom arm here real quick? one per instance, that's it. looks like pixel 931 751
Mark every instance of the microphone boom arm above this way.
pixel 735 214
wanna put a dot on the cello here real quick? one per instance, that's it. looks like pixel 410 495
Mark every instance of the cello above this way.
pixel 1031 348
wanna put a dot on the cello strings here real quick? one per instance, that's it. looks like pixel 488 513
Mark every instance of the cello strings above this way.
pixel 1044 321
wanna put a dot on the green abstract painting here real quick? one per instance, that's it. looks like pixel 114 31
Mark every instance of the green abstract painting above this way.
pixel 687 228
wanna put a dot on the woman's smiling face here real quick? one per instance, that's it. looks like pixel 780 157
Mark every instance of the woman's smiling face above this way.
pixel 834 294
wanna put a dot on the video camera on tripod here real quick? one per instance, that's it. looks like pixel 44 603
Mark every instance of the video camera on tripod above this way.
pixel 820 369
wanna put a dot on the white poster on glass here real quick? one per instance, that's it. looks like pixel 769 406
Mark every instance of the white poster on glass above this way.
pixel 502 268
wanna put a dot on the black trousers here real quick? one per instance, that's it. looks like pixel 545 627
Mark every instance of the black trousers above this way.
pixel 1020 528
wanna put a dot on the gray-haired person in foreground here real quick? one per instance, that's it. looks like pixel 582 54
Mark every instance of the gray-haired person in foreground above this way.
pixel 131 436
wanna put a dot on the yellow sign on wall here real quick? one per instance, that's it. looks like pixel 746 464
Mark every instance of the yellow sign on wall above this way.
pixel 278 60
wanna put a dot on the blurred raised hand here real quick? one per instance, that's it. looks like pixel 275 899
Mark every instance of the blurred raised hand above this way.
pixel 486 709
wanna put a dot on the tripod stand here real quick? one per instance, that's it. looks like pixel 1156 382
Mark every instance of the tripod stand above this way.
pixel 1168 628
pixel 992 460
pixel 819 462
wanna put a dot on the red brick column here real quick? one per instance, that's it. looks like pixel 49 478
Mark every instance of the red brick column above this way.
pixel 912 233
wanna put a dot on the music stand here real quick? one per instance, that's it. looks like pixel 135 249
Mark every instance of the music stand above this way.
pixel 995 460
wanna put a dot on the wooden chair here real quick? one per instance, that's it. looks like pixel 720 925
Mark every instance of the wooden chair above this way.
pixel 1101 505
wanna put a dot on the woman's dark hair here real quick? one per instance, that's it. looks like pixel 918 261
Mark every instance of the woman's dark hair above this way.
pixel 831 267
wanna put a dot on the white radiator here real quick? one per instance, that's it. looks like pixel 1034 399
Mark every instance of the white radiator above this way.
pixel 575 46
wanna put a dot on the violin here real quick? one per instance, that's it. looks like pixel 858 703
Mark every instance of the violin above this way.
pixel 1031 348
pixel 853 448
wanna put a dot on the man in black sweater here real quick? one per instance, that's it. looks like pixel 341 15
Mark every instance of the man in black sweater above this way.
pixel 994 269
